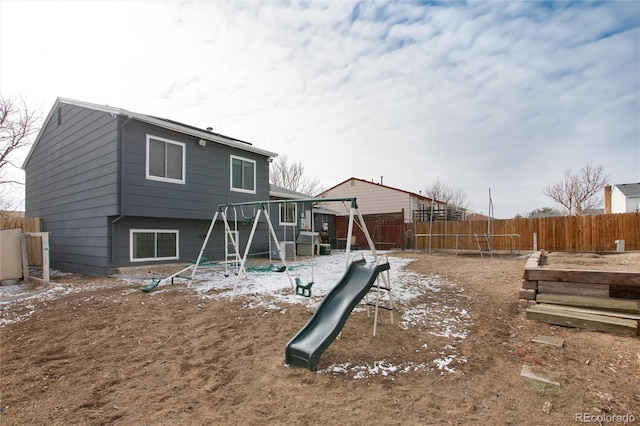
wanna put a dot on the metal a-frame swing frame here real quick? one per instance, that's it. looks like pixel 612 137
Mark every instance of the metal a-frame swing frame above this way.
pixel 230 234
pixel 354 213
pixel 272 234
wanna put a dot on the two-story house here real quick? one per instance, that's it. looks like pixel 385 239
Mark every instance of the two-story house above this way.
pixel 377 198
pixel 622 198
pixel 117 188
pixel 386 210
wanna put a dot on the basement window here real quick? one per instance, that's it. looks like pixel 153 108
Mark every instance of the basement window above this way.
pixel 153 244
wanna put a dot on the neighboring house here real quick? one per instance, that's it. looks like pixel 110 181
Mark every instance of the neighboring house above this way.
pixel 376 198
pixel 116 188
pixel 622 198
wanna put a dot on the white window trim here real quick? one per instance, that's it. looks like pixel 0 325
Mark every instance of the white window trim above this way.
pixel 184 161
pixel 295 215
pixel 231 187
pixel 153 259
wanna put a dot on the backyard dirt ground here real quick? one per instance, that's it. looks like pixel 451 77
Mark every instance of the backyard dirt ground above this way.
pixel 112 355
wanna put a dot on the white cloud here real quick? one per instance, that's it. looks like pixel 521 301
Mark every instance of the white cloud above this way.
pixel 500 95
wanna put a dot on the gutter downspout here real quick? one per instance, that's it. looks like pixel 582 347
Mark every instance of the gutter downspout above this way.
pixel 121 197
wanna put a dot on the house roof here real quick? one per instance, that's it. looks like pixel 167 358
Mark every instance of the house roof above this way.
pixel 629 189
pixel 156 121
pixel 287 194
pixel 280 192
pixel 383 186
pixel 477 216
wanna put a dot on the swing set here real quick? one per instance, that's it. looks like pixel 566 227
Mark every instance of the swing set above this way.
pixel 260 208
pixel 332 311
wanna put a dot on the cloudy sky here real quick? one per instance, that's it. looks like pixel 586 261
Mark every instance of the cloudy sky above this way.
pixel 501 95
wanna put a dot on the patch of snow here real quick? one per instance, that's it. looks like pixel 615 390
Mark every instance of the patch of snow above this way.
pixel 381 367
pixel 14 310
pixel 443 364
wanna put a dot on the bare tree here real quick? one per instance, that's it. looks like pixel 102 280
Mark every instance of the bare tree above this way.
pixel 17 126
pixel 291 176
pixel 451 195
pixel 8 204
pixel 579 192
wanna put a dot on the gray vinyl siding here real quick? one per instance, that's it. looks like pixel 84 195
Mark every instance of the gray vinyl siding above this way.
pixel 71 184
pixel 207 178
pixel 89 171
pixel 79 245
pixel 191 237
pixel 188 207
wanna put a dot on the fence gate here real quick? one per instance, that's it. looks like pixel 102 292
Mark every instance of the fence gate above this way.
pixel 387 231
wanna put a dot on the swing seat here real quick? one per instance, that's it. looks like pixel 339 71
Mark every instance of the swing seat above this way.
pixel 150 287
pixel 277 268
pixel 303 289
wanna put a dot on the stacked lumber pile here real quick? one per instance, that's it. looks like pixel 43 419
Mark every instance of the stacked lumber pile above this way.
pixel 598 300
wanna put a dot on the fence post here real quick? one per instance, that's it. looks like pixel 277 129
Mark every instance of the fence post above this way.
pixel 535 242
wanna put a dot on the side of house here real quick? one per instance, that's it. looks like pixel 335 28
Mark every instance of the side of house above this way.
pixel 72 184
pixel 375 198
pixel 116 188
pixel 625 198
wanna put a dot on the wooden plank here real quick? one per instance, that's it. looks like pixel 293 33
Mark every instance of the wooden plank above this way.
pixel 534 261
pixel 610 303
pixel 616 314
pixel 549 340
pixel 579 276
pixel 540 374
pixel 577 289
pixel 527 294
pixel 543 313
pixel 624 292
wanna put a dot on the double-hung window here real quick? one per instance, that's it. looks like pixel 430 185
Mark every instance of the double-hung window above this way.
pixel 243 175
pixel 288 214
pixel 153 244
pixel 165 160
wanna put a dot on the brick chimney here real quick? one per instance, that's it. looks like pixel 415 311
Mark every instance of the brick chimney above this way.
pixel 607 199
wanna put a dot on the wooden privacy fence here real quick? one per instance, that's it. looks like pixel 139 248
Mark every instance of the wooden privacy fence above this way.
pixel 386 230
pixel 564 233
pixel 28 224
